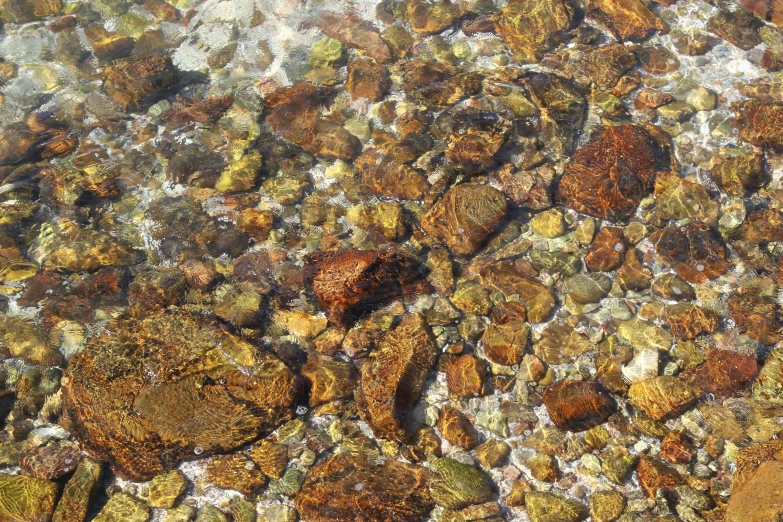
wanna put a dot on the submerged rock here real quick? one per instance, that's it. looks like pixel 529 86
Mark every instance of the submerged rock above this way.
pixel 550 507
pixel 663 397
pixel 348 488
pixel 759 123
pixel 609 176
pixel 27 499
pixel 465 217
pixel 695 251
pixel 578 405
pixel 78 493
pixel 532 27
pixel 458 485
pixel 392 378
pixel 152 392
pixel 626 19
pixel 133 83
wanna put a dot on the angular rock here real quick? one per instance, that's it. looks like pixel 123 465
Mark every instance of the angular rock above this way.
pixel 607 250
pixel 465 217
pixel 681 199
pixel 757 316
pixel 588 288
pixel 626 19
pixel 270 457
pixel 563 111
pixel 466 375
pixel 760 123
pixel 738 27
pixel 663 397
pixel 654 474
pixel 78 492
pixel 351 282
pixel 199 404
pixel 759 500
pixel 725 373
pixel 505 344
pixel 432 17
pixel 506 277
pixel 561 344
pixel 50 461
pixel 532 27
pixel 235 472
pixel 330 379
pixel 688 321
pixel 605 65
pixel 354 32
pixel 633 275
pixel 165 489
pixel 122 506
pixel 609 176
pixel 578 405
pixel 550 507
pixel 676 448
pixel 393 376
pixel 134 83
pixel 367 79
pixel 26 499
pixel 457 428
pixel 673 287
pixel 694 251
pixel 349 488
pixel 606 506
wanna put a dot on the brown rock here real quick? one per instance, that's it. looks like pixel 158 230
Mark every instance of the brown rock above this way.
pixel 508 312
pixel 657 59
pixel 235 472
pixel 347 283
pixel 354 32
pixel 429 18
pixel 561 344
pixel 270 457
pixel 133 83
pixel 610 175
pixel 23 11
pixel 607 250
pixel 761 498
pixel 367 79
pixel 762 226
pixel 465 217
pixel 633 275
pixel 213 392
pixel 676 448
pixel 382 176
pixel 688 321
pixel 349 488
pixel 532 27
pixel 757 316
pixel 725 373
pixel 466 375
pixel 654 474
pixel 475 150
pixel 578 405
pixel 457 428
pixel 52 460
pixel 663 397
pixel 393 376
pixel 295 112
pixel 78 492
pixel 330 379
pixel 543 467
pixel 760 123
pixel 651 99
pixel 563 112
pixel 626 19
pixel 493 453
pixel 605 65
pixel 738 27
pixel 106 44
pixel 673 287
pixel 694 251
pixel 769 10
pixel 505 344
pixel 506 277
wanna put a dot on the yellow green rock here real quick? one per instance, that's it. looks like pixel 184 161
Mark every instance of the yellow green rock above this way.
pixel 240 175
pixel 78 492
pixel 166 488
pixel 549 224
pixel 122 506
pixel 26 499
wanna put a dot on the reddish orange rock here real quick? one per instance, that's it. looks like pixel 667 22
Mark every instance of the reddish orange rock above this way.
pixel 609 176
pixel 505 344
pixel 607 250
pixel 578 405
pixel 626 19
pixel 654 474
pixel 393 376
pixel 663 397
pixel 676 448
pixel 694 251
pixel 757 316
pixel 509 278
pixel 466 375
pixel 507 312
pixel 457 428
pixel 350 488
pixel 760 123
pixel 350 282
pixel 367 79
pixel 724 373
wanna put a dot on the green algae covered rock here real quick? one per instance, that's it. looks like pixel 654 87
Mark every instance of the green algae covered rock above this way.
pixel 459 485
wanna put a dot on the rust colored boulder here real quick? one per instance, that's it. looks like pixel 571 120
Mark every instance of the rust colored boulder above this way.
pixel 351 488
pixel 578 405
pixel 150 393
pixel 609 176
pixel 695 251
pixel 351 282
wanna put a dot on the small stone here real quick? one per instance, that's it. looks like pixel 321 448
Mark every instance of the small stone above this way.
pixel 366 79
pixel 643 334
pixel 493 453
pixel 643 366
pixel 588 288
pixel 270 457
pixel 549 223
pixel 561 344
pixel 651 99
pixel 458 485
pixel 506 277
pixel 182 513
pixel 550 507
pixel 695 252
pixel 108 45
pixel 676 448
pixel 688 321
pixel 23 11
pixel 605 65
pixel 429 18
pixel 756 316
pixel 241 175
pixel 326 52
pixel 680 199
pixel 678 111
pixel 673 287
pixel 240 309
pixel 725 373
pixel 279 513
pixel 209 513
pixel 505 344
pixel 606 506
pixel 739 27
pixel 519 490
pixel 739 174
pixel 702 99
pixel 657 59
pixel 633 275
pixel 472 298
pixel 165 489
pixel 122 506
pixel 578 405
pixel 618 465
pixel 136 82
